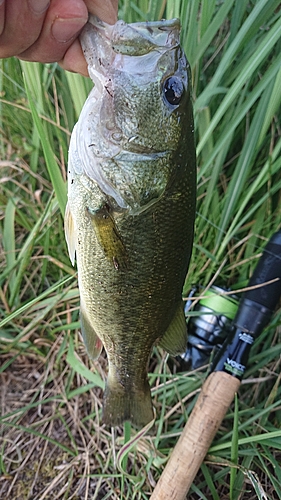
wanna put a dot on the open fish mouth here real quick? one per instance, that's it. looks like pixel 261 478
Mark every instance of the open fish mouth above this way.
pixel 141 87
pixel 114 46
pixel 127 39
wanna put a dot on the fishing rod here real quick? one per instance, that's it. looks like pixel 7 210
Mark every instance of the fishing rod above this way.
pixel 229 365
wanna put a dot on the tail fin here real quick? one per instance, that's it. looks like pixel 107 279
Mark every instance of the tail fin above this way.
pixel 126 403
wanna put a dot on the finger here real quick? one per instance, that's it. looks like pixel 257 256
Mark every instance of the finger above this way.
pixel 21 22
pixel 74 60
pixel 106 10
pixel 2 16
pixel 63 22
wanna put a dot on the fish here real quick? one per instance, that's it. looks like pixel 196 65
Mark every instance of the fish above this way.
pixel 130 213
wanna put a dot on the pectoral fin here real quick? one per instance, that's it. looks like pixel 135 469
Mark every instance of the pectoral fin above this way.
pixel 92 341
pixel 109 237
pixel 174 340
pixel 69 233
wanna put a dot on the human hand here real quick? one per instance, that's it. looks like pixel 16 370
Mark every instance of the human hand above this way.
pixel 47 30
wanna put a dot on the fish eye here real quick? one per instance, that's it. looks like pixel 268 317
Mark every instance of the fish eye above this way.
pixel 173 90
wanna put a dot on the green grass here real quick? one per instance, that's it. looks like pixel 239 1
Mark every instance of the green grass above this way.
pixel 52 441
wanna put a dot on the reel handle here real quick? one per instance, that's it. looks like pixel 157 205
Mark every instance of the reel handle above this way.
pixel 211 406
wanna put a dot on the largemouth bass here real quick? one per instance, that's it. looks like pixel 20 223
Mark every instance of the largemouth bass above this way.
pixel 131 204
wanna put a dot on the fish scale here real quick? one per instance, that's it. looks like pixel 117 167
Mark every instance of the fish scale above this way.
pixel 131 206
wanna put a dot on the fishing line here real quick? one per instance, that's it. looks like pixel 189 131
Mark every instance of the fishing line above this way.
pixel 236 238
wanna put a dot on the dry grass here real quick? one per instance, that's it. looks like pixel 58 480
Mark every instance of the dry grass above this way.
pixel 52 441
pixel 50 444
pixel 54 445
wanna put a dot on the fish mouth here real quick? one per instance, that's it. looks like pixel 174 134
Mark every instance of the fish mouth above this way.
pixel 137 38
pixel 127 162
pixel 115 44
pixel 137 156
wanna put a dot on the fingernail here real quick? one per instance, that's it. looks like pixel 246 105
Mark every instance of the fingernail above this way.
pixel 39 6
pixel 65 29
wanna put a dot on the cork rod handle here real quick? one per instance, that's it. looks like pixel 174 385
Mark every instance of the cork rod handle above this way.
pixel 215 397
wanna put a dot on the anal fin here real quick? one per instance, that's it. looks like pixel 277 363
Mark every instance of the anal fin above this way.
pixel 92 341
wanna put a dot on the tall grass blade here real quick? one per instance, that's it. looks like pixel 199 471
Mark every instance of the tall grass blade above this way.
pixel 52 166
pixel 79 87
pixel 262 51
pixel 80 368
pixel 9 241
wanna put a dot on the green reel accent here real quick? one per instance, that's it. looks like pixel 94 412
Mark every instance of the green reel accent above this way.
pixel 220 304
